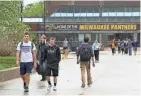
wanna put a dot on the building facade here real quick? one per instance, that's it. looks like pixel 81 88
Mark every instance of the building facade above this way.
pixel 98 20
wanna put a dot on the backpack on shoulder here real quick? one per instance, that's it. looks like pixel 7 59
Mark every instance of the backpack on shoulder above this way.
pixel 85 53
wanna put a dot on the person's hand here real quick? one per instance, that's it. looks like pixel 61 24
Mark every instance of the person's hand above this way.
pixel 93 64
pixel 38 62
pixel 17 62
pixel 77 62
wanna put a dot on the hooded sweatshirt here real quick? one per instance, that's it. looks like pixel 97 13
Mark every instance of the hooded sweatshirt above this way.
pixel 52 55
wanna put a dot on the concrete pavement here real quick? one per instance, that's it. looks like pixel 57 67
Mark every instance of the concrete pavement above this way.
pixel 113 75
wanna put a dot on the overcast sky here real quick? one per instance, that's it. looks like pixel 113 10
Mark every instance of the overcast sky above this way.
pixel 30 1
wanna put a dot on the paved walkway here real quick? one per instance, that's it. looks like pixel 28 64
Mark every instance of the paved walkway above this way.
pixel 113 75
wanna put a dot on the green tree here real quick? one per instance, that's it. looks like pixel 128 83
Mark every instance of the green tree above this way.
pixel 11 28
pixel 9 19
pixel 34 10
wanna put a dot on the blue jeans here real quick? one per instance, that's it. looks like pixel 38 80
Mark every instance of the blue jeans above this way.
pixel 130 51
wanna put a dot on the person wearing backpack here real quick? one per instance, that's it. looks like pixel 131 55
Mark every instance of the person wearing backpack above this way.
pixel 26 51
pixel 85 53
pixel 40 63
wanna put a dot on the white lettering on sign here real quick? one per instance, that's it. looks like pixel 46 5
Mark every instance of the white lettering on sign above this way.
pixel 71 26
pixel 61 26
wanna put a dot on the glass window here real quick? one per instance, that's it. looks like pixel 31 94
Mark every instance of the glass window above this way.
pixel 120 14
pixel 83 14
pixel 112 13
pixel 80 37
pixel 69 14
pixel 96 14
pixel 63 14
pixel 76 14
pixel 77 10
pixel 136 9
pixel 127 14
pixel 90 10
pixel 57 15
pixel 105 12
pixel 70 9
pixel 89 14
pixel 135 13
pixel 120 9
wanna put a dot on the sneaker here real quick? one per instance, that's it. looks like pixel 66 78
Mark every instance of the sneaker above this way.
pixel 43 80
pixel 24 85
pixel 89 85
pixel 26 89
pixel 49 87
pixel 83 86
pixel 54 88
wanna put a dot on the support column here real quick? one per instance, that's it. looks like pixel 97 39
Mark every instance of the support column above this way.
pixel 100 37
pixel 135 36
pixel 96 37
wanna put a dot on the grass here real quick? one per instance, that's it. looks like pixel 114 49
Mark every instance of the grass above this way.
pixel 7 62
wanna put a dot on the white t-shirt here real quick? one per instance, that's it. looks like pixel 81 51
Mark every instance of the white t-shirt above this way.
pixel 26 53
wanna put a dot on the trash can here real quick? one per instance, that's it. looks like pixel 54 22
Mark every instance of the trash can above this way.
pixel 102 47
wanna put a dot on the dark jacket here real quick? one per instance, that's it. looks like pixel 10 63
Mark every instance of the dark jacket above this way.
pixel 40 50
pixel 52 55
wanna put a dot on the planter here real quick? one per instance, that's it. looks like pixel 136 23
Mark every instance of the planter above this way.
pixel 9 74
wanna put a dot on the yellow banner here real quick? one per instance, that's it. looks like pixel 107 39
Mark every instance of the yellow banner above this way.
pixel 106 27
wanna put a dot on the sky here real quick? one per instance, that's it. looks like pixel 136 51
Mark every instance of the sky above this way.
pixel 26 2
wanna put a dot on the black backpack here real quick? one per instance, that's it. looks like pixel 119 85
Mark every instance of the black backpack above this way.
pixel 85 53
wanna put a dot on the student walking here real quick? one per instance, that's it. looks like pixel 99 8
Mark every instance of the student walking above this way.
pixel 52 56
pixel 126 46
pixel 135 45
pixel 119 46
pixel 41 64
pixel 113 47
pixel 130 47
pixel 85 53
pixel 96 48
pixel 26 54
pixel 122 47
pixel 65 48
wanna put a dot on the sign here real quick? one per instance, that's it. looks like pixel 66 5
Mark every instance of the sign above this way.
pixel 60 27
pixel 89 27
pixel 108 27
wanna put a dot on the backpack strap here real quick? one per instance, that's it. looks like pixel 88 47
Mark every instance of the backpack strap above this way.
pixel 21 47
pixel 32 45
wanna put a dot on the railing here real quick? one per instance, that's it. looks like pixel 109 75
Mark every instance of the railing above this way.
pixel 83 19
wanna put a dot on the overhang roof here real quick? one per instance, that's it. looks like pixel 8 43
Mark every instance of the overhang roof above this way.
pixel 52 6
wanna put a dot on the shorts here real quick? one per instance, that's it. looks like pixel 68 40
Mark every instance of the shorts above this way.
pixel 65 48
pixel 50 71
pixel 26 67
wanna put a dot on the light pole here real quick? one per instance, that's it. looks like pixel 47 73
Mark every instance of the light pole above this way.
pixel 21 11
pixel 44 16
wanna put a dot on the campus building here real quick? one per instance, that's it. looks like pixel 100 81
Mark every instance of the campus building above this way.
pixel 101 20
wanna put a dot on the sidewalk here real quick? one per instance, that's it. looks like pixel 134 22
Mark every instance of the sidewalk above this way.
pixel 113 75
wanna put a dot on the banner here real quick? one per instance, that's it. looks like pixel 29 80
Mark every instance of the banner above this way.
pixel 108 27
pixel 89 27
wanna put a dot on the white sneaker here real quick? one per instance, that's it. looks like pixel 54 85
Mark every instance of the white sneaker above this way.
pixel 49 87
pixel 54 88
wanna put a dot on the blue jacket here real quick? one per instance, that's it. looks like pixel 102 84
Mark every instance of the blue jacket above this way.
pixel 134 44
